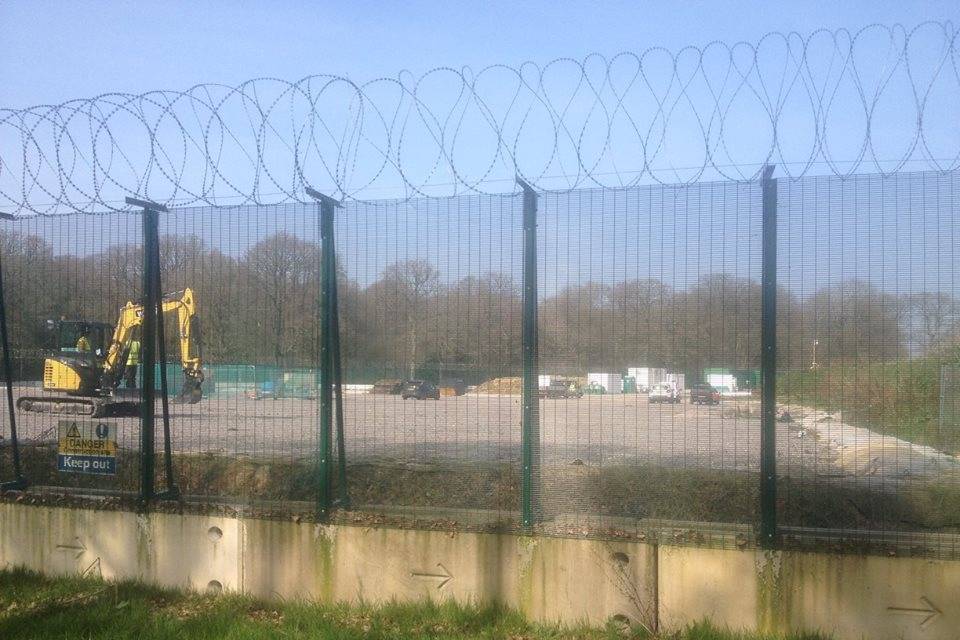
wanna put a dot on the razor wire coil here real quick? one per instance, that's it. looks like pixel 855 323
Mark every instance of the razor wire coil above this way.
pixel 717 111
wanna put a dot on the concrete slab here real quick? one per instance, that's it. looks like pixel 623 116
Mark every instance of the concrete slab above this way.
pixel 547 578
pixel 694 584
pixel 845 596
pixel 195 552
pixel 874 596
pixel 200 552
pixel 58 541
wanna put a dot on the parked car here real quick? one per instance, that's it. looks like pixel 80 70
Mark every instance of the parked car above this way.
pixel 704 394
pixel 419 390
pixel 561 389
pixel 664 393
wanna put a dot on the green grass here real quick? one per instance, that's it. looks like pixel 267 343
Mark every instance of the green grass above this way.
pixel 32 606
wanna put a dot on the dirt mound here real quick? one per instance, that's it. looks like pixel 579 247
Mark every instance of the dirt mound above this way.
pixel 502 386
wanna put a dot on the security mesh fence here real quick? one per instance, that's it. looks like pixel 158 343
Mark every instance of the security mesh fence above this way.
pixel 65 280
pixel 868 277
pixel 430 299
pixel 645 417
pixel 641 290
pixel 255 274
pixel 949 424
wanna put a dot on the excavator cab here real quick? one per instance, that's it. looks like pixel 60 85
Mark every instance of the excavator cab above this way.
pixel 77 348
pixel 67 334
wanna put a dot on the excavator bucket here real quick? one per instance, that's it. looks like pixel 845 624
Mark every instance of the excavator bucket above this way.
pixel 191 393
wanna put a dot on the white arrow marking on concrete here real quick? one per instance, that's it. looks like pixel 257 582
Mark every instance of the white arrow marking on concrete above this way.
pixel 929 612
pixel 79 547
pixel 444 577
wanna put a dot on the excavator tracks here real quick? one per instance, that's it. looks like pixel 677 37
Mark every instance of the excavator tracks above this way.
pixel 88 407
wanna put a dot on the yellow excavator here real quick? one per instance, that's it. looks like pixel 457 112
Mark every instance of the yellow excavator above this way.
pixel 89 378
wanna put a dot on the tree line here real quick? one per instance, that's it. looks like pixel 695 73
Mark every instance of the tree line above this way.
pixel 261 307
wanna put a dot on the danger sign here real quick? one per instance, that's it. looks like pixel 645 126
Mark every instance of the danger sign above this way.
pixel 87 447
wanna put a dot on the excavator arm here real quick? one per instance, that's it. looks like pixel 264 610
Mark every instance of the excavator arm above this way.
pixel 131 317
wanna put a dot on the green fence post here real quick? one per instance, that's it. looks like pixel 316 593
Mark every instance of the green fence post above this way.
pixel 19 482
pixel 326 362
pixel 768 363
pixel 343 495
pixel 151 299
pixel 171 492
pixel 329 356
pixel 530 486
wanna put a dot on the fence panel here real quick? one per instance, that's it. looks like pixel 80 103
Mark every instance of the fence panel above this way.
pixel 429 290
pixel 949 424
pixel 867 314
pixel 62 275
pixel 645 291
pixel 255 274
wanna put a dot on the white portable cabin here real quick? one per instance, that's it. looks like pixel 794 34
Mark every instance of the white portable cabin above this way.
pixel 647 376
pixel 722 381
pixel 611 382
pixel 677 380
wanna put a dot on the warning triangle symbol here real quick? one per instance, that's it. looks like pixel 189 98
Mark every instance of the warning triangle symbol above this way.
pixel 73 432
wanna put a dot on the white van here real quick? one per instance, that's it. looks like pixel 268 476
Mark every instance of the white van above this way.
pixel 664 393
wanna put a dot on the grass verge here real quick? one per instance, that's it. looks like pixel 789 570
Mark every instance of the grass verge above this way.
pixel 32 606
pixel 639 491
pixel 900 399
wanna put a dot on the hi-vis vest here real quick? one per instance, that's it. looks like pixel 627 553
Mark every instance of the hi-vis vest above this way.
pixel 133 358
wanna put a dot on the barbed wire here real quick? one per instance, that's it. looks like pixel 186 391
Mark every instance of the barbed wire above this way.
pixel 880 99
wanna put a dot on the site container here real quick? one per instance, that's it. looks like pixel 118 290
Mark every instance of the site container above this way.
pixel 722 381
pixel 677 380
pixel 611 382
pixel 646 377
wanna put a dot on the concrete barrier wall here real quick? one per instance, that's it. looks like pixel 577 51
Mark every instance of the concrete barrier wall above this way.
pixel 551 579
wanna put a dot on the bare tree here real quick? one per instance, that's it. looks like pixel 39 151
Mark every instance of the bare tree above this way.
pixel 30 271
pixel 403 291
pixel 932 316
pixel 479 319
pixel 284 272
pixel 854 320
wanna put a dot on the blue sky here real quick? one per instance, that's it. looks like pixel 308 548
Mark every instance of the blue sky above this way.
pixel 53 51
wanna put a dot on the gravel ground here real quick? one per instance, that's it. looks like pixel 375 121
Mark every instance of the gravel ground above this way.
pixel 596 430
pixel 603 457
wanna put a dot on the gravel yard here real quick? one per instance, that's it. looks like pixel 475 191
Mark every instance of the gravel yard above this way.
pixel 595 430
pixel 602 457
